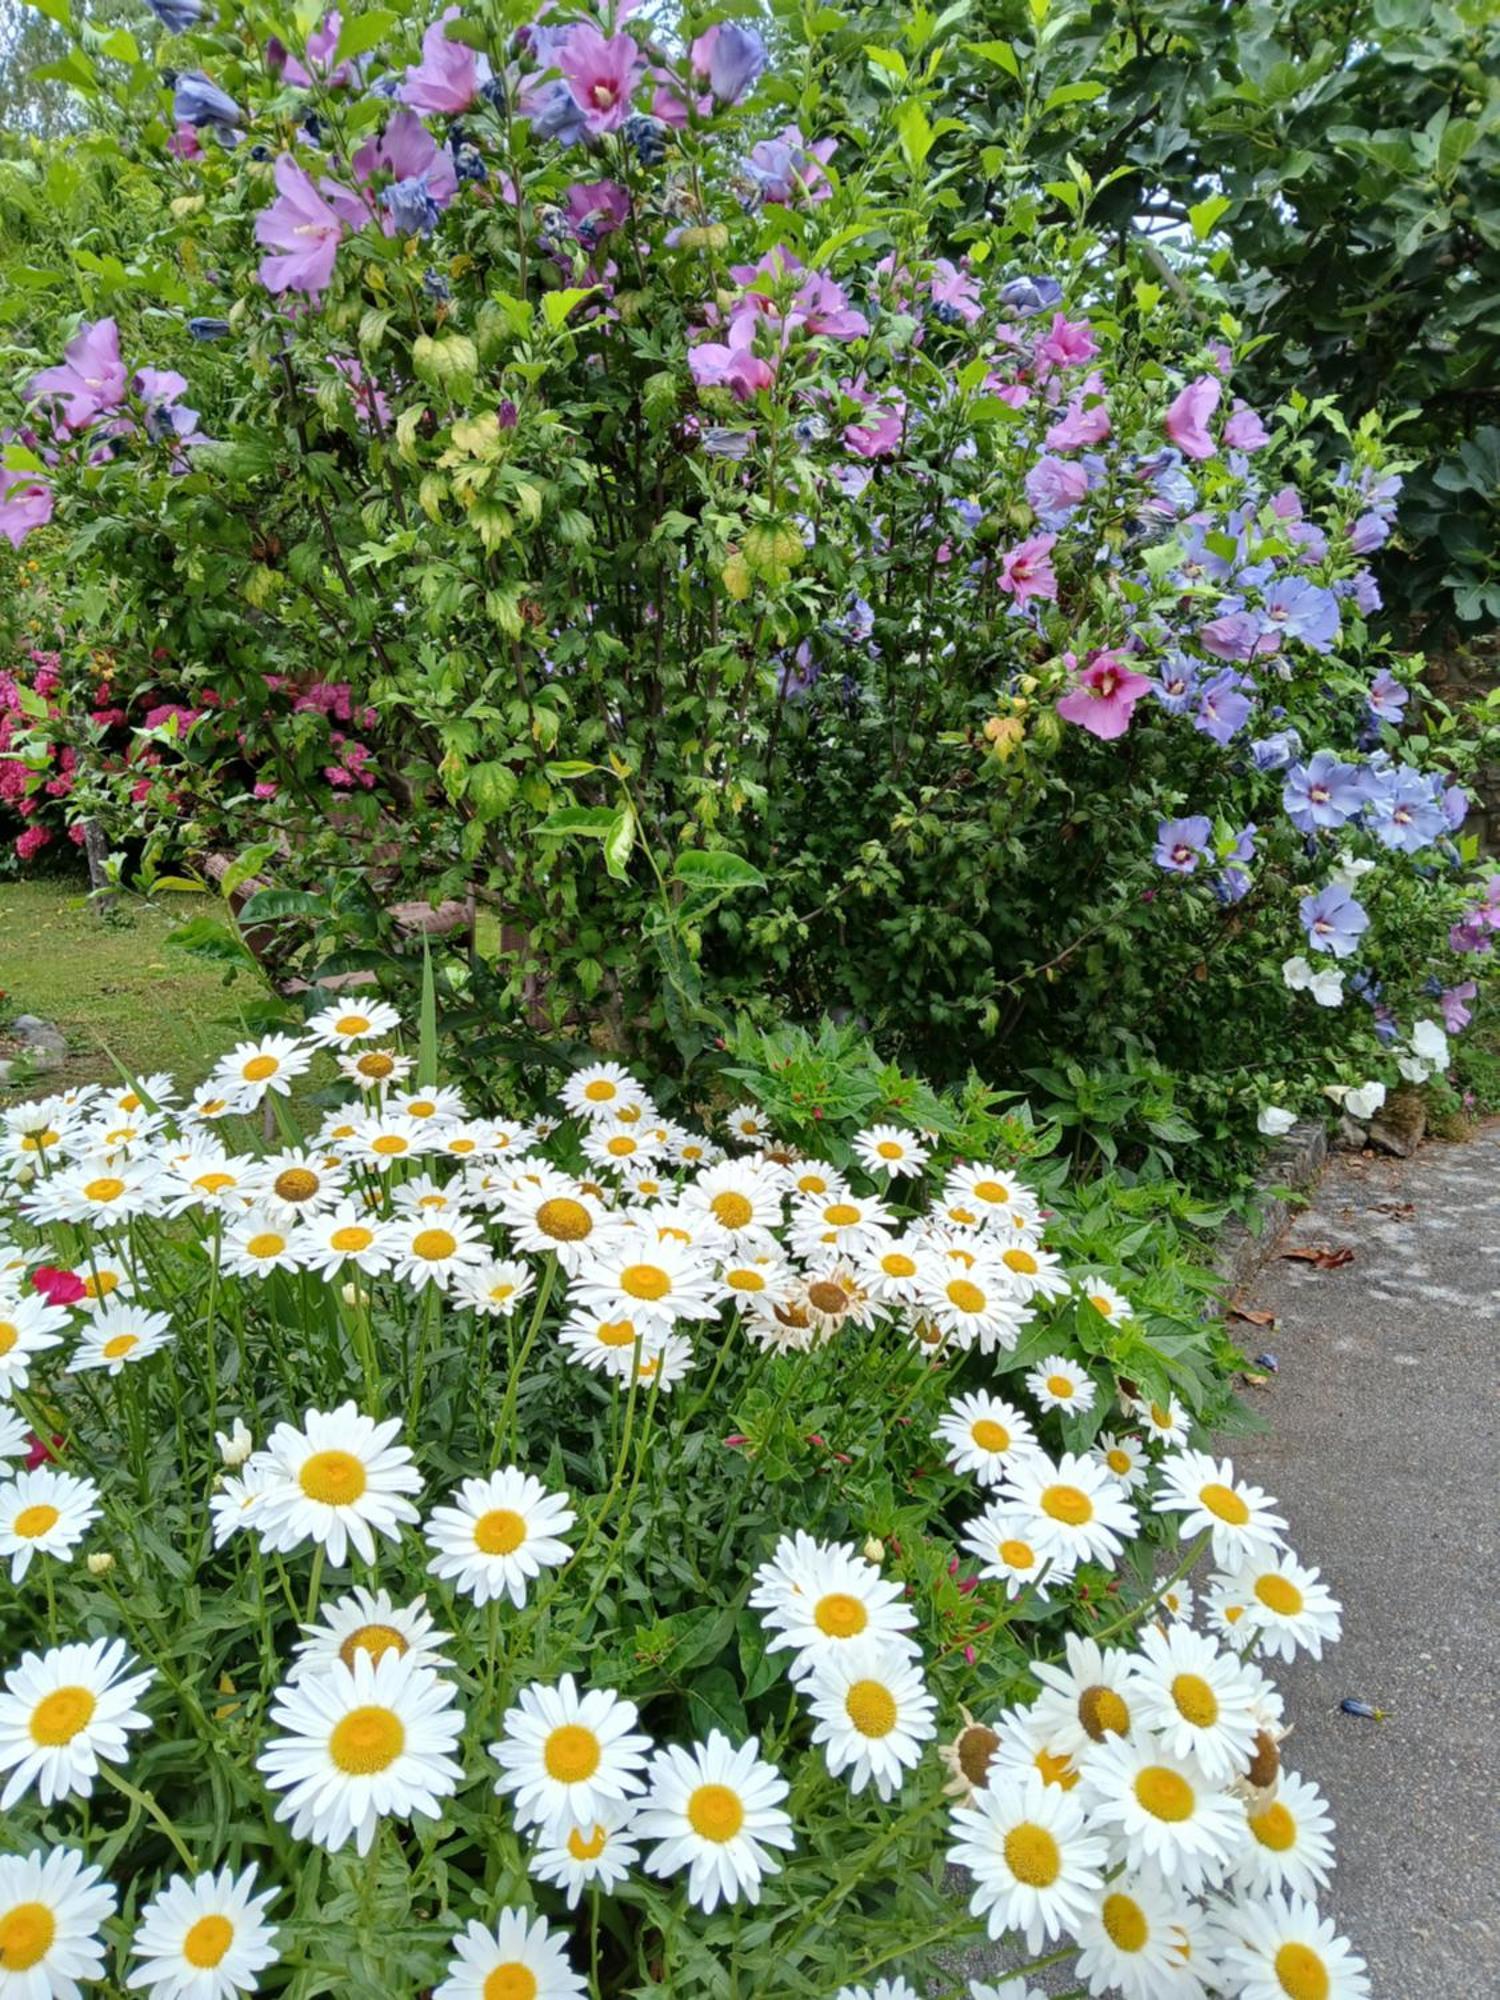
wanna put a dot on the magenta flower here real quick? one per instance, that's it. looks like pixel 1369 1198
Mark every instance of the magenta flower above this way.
pixel 91 377
pixel 1067 343
pixel 1104 700
pixel 955 289
pixel 304 229
pixel 1026 570
pixel 879 432
pixel 1086 422
pixel 1188 414
pixel 447 77
pixel 321 44
pixel 1457 1014
pixel 732 364
pixel 25 503
pixel 602 72
pixel 1243 429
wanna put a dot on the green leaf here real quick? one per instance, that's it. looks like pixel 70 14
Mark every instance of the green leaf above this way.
pixel 268 906
pixel 363 33
pixel 556 306
pixel 701 868
pixel 916 133
pixel 588 822
pixel 427 1031
pixel 618 842
pixel 1204 214
pixel 1071 93
pixel 1001 54
pixel 55 10
pixel 714 1703
pixel 245 865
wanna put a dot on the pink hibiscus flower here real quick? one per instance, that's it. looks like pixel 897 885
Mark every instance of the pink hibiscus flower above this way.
pixel 1187 417
pixel 1104 699
pixel 1026 570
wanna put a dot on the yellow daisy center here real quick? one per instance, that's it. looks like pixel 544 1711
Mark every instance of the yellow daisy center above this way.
pixel 571 1754
pixel 1103 1713
pixel 106 1188
pixel 617 1333
pixel 351 1024
pixel 499 1532
pixel 34 1522
pixel 336 1478
pixel 265 1243
pixel 1164 1794
pixel 120 1346
pixel 375 1640
pixel 840 1615
pixel 731 1208
pixel 896 1264
pixel 746 1280
pixel 214 1183
pixel 1302 1973
pixel 889 1150
pixel 1125 1921
pixel 600 1091
pixel 1279 1594
pixel 350 1237
pixel 1101 1304
pixel 587 1846
pixel 1060 1385
pixel 645 1281
pixel 566 1220
pixel 1223 1503
pixel 1067 1504
pixel 58 1717
pixel 101 1285
pixel 1032 1855
pixel 27 1931
pixel 389 1145
pixel 377 1064
pixel 1055 1768
pixel 841 1215
pixel 1017 1555
pixel 1196 1701
pixel 966 1296
pixel 991 1191
pixel 511 1981
pixel 10 1335
pixel 367 1741
pixel 433 1245
pixel 207 1942
pixel 989 1435
pixel 621 1146
pixel 296 1184
pixel 259 1068
pixel 1118 1461
pixel 871 1707
pixel 1274 1828
pixel 715 1813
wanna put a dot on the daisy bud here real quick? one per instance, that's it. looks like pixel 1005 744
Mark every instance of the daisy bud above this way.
pixel 234 1446
pixel 101 1564
pixel 875 1550
pixel 353 1296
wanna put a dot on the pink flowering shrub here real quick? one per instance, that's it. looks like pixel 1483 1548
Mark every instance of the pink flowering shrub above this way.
pixel 773 578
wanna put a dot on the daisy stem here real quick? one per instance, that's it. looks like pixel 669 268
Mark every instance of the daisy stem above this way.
pixel 211 1323
pixel 849 1879
pixel 152 1810
pixel 726 1343
pixel 314 1584
pixel 51 1590
pixel 513 1386
pixel 1149 1604
pixel 596 1989
pixel 432 1306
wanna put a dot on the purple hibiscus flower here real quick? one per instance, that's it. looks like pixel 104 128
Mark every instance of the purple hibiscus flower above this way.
pixel 1055 486
pixel 1275 752
pixel 1186 421
pixel 1223 706
pixel 1182 843
pixel 1387 698
pixel 1401 811
pixel 1334 920
pixel 1301 610
pixel 1322 793
pixel 90 378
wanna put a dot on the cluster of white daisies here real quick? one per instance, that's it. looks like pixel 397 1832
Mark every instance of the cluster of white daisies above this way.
pixel 1137 1806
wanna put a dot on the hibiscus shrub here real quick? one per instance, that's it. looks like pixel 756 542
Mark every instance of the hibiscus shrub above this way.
pixel 773 588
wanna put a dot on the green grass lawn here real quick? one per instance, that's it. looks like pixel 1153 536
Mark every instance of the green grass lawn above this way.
pixel 114 989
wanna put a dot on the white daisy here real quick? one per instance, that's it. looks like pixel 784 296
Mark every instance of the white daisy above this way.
pixel 608 1344
pixel 637 1275
pixel 258 1243
pixel 983 1434
pixel 567 1756
pixel 235 1499
pixel 386 1140
pixel 15 1435
pixel 661 1365
pixel 104 1280
pixel 1166 1423
pixel 715 1810
pixel 362 1744
pixel 1290 1846
pixel 374 1069
pixel 370 1622
pixel 847 1225
pixel 1130 1941
pixel 206 1177
pixel 1213 1501
pixel 1281 1949
pixel 1198 1700
pixel 346 1235
pixel 1090 1698
pixel 341 1025
pixel 433 1250
pixel 748 1124
pixel 101 1192
pixel 494 1288
pixel 1004 1542
pixel 743 1199
pixel 883 1989
pixel 1034 1273
pixel 990 1189
pixel 251 1069
pixel 601 1090
pixel 1061 1384
pixel 204 1939
pixel 1029 1745
pixel 970 1302
pixel 118 1336
pixel 603 1853
pixel 1077 1510
pixel 520 1959
pixel 1124 1456
pixel 1104 1299
pixel 52 1903
pixel 470 1139
pixel 434 1105
pixel 1287 1606
pixel 873 1714
pixel 1163 1809
pixel 756 1280
pixel 502 1532
pixel 341 1478
pixel 549 1211
pixel 28 1327
pixel 1035 1864
pixel 301 1182
pixel 832 1598
pixel 619 1148
pixel 887 1149
pixel 44 1512
pixel 63 1713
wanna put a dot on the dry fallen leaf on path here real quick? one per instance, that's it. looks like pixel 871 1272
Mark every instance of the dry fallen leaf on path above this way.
pixel 1399 1208
pixel 1255 1315
pixel 1325 1258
